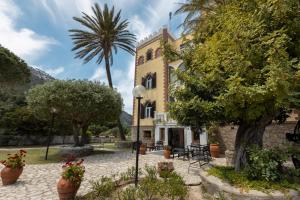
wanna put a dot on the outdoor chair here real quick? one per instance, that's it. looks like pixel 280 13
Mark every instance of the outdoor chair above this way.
pixel 135 144
pixel 159 145
pixel 151 147
pixel 199 155
pixel 181 152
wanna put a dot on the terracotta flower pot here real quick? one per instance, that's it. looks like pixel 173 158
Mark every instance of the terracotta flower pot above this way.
pixel 142 150
pixel 10 175
pixel 167 154
pixel 214 150
pixel 66 189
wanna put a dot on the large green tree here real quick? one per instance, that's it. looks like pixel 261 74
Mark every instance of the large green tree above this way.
pixel 103 34
pixel 81 102
pixel 241 68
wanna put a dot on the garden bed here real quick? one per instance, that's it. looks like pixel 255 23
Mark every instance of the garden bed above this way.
pixel 234 185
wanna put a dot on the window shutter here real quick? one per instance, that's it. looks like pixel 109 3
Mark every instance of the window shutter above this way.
pixel 154 80
pixel 142 111
pixel 153 109
pixel 143 82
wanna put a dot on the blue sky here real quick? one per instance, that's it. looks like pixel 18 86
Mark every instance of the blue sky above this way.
pixel 37 31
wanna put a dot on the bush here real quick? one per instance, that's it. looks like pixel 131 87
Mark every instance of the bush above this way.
pixel 240 179
pixel 265 164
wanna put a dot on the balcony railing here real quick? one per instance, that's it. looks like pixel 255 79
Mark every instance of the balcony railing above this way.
pixel 163 117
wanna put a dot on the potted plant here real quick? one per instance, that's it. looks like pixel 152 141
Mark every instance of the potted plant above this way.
pixel 143 148
pixel 13 167
pixel 214 146
pixel 70 181
pixel 165 168
pixel 294 152
pixel 167 152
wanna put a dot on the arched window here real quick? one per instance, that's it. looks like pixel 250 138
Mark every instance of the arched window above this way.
pixel 148 110
pixel 158 52
pixel 149 55
pixel 149 82
pixel 141 60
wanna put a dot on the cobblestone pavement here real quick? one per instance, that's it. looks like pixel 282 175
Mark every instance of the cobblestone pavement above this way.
pixel 38 182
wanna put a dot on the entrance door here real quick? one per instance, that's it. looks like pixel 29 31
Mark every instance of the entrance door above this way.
pixel 176 137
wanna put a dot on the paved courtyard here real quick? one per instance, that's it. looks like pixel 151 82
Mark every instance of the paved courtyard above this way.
pixel 38 182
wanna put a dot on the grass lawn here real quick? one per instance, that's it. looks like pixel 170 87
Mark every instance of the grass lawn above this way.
pixel 37 155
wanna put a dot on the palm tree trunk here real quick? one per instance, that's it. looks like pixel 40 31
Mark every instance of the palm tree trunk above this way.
pixel 108 74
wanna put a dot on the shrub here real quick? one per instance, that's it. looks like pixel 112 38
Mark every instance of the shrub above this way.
pixel 265 164
pixel 129 193
pixel 103 189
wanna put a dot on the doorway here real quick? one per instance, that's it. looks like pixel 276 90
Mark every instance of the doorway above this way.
pixel 176 137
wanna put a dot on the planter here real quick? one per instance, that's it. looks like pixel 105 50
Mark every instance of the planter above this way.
pixel 296 162
pixel 10 175
pixel 66 189
pixel 167 154
pixel 142 149
pixel 214 150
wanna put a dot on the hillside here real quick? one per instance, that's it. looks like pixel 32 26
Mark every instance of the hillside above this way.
pixel 126 119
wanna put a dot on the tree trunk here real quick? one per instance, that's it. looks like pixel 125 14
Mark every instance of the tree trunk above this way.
pixel 108 74
pixel 247 136
pixel 84 136
pixel 76 131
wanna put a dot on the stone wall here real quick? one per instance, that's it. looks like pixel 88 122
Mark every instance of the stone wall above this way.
pixel 274 135
pixel 145 140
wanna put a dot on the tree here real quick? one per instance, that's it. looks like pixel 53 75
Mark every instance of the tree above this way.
pixel 243 71
pixel 104 34
pixel 81 102
pixel 12 68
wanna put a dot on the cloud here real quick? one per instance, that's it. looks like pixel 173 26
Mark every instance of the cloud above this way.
pixel 55 71
pixel 22 41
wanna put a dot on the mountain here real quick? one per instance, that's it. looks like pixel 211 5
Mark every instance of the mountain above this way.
pixel 39 76
pixel 126 119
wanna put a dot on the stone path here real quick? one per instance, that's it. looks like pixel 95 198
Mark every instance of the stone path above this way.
pixel 38 182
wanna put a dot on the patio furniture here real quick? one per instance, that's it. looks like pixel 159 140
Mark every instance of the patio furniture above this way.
pixel 295 136
pixel 151 147
pixel 199 155
pixel 159 145
pixel 181 152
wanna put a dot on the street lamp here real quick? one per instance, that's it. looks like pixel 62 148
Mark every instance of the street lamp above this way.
pixel 138 93
pixel 52 111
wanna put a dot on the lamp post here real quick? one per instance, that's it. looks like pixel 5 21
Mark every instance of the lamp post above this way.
pixel 53 111
pixel 138 93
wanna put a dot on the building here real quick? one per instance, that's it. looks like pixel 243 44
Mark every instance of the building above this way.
pixel 155 74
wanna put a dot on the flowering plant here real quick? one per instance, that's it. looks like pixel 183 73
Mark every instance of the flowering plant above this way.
pixel 16 160
pixel 73 171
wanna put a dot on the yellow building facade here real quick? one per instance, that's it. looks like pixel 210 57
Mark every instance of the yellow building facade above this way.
pixel 154 73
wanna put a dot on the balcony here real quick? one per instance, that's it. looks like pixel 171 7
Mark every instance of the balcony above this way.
pixel 163 118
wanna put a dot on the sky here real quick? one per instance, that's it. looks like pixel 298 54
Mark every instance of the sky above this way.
pixel 37 31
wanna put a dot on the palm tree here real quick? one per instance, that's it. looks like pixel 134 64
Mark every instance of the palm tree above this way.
pixel 104 33
pixel 195 11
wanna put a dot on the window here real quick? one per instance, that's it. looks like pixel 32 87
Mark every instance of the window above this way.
pixel 147 134
pixel 149 82
pixel 141 60
pixel 149 55
pixel 158 52
pixel 162 134
pixel 148 110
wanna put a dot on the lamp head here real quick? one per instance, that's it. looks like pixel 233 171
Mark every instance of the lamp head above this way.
pixel 138 91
